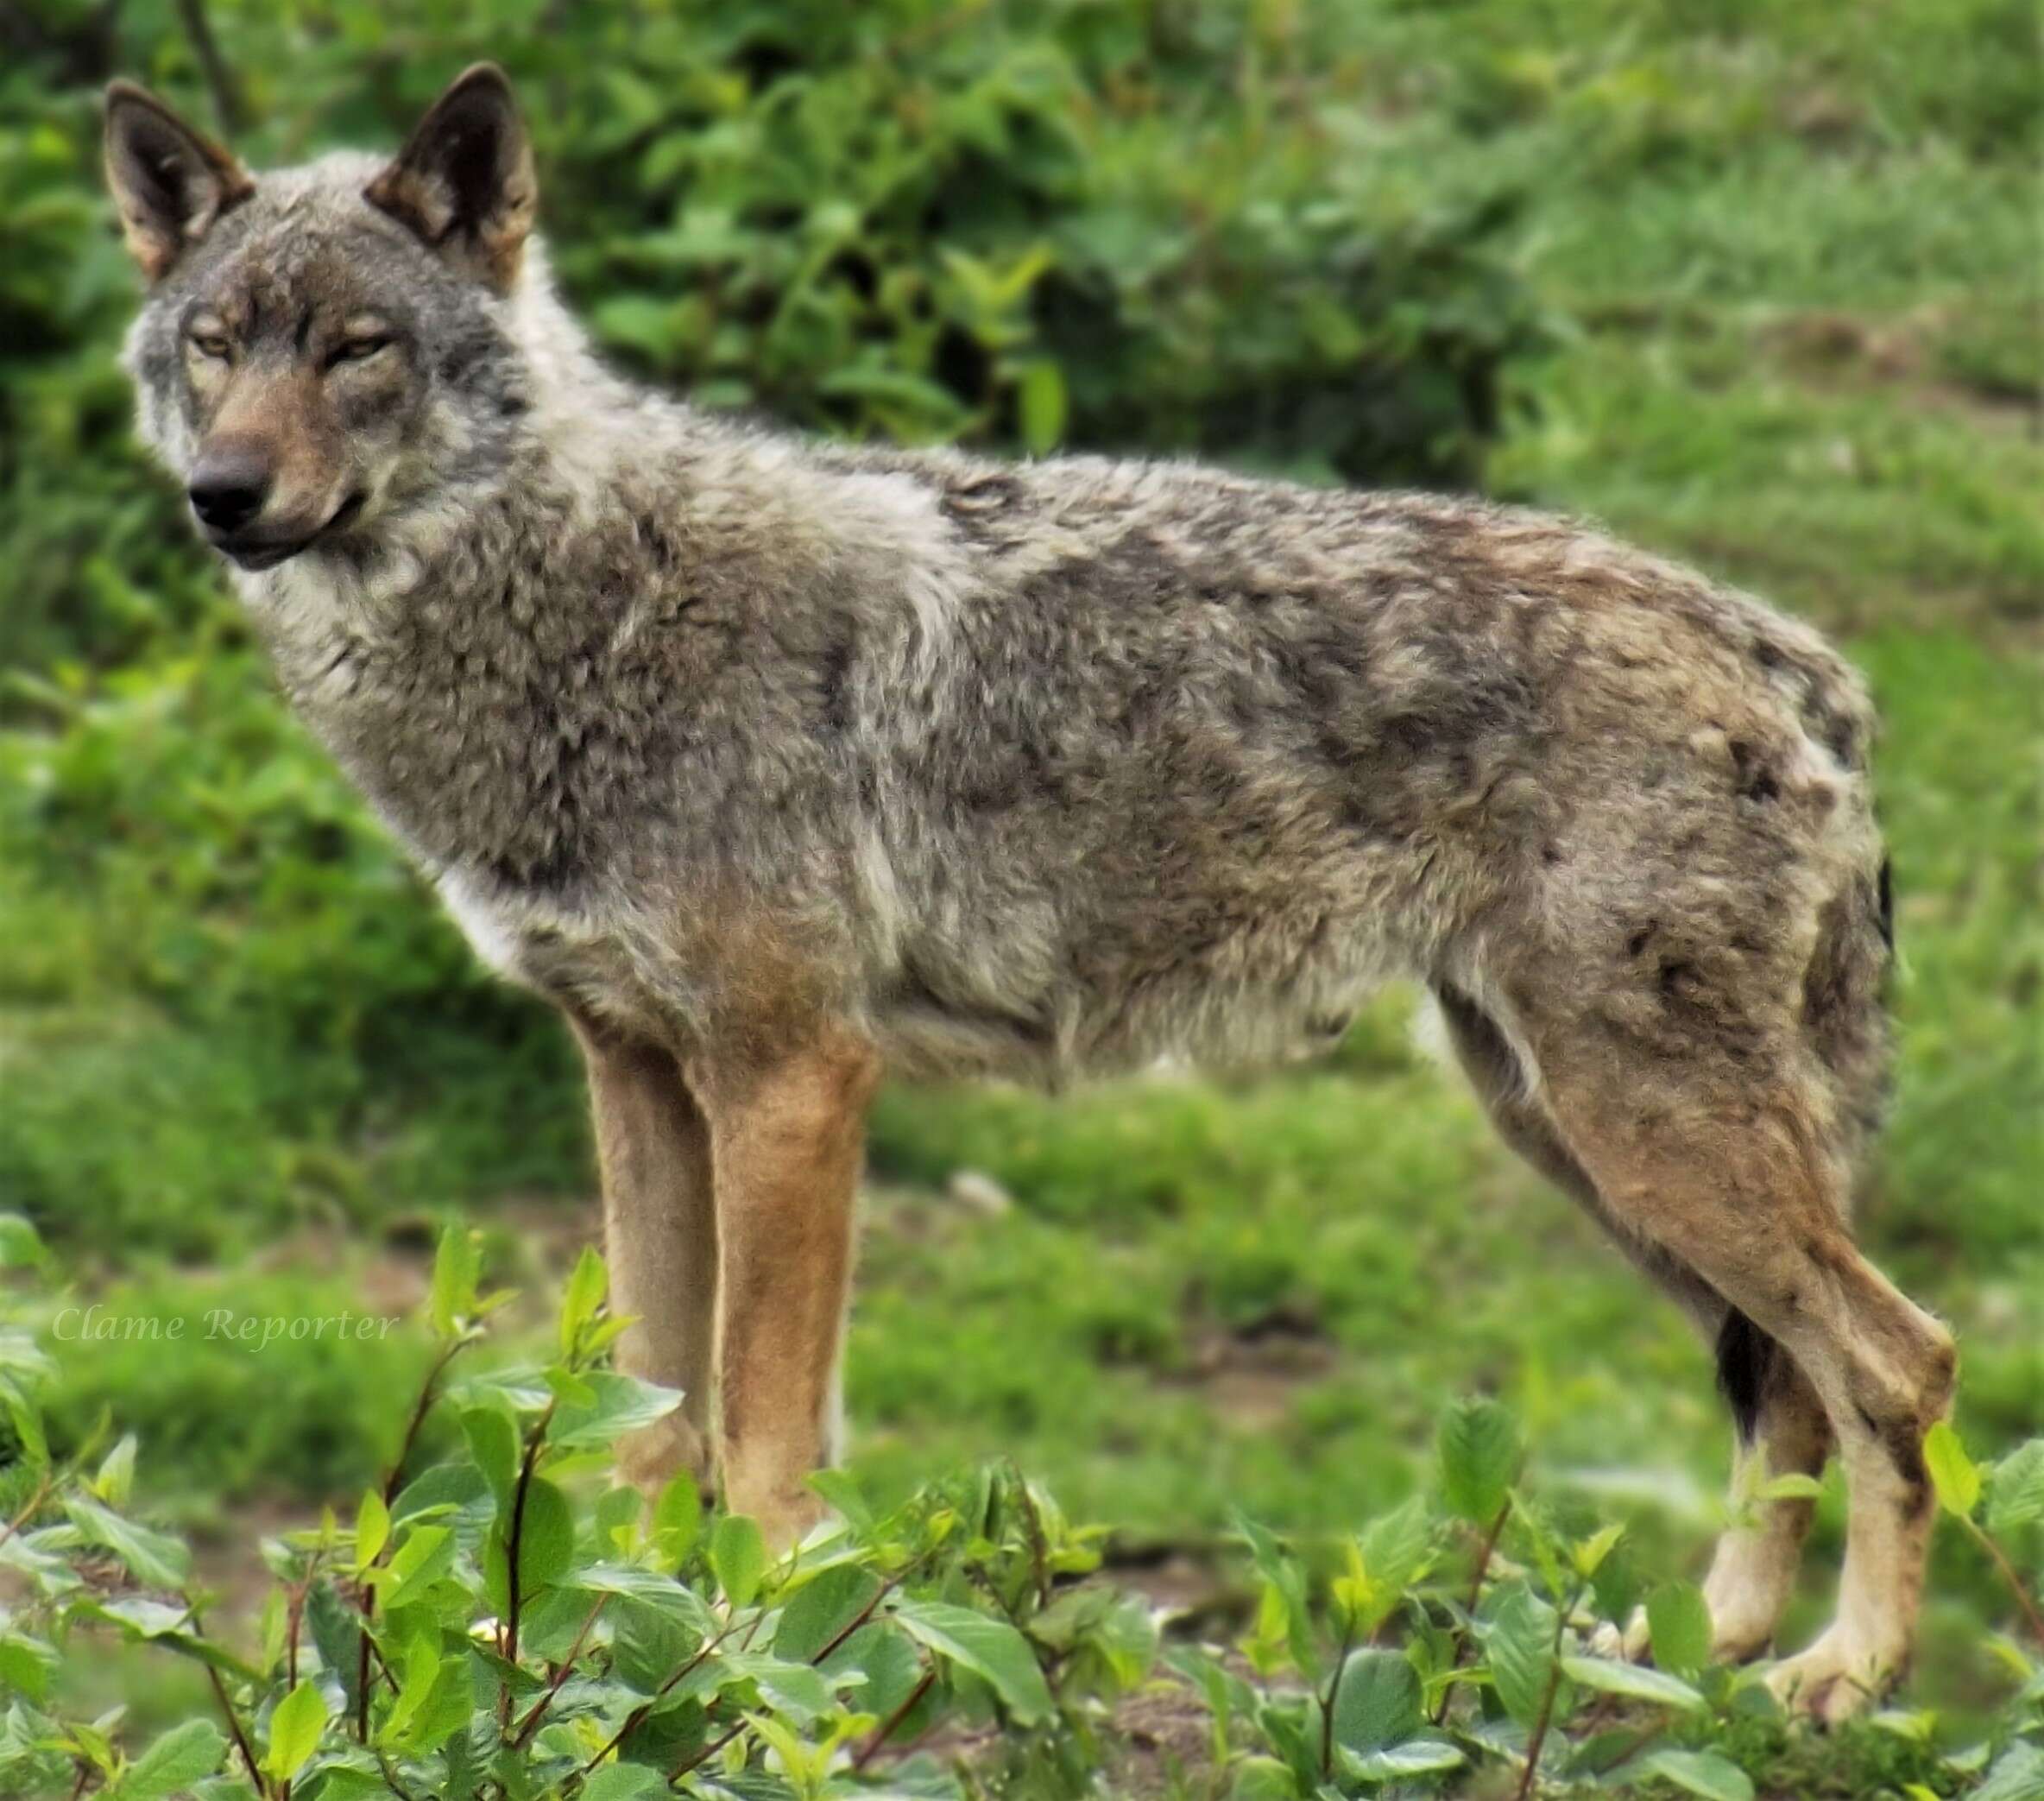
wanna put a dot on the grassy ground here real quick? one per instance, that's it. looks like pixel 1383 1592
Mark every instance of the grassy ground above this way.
pixel 1797 255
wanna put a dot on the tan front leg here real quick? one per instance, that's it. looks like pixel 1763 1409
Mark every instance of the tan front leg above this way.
pixel 787 1141
pixel 660 1234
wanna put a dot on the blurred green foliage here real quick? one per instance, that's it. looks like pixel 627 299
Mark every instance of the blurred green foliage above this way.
pixel 1029 225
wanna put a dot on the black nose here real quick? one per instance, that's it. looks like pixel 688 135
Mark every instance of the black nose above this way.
pixel 227 492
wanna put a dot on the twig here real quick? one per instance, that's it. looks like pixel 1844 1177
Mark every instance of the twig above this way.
pixel 29 1508
pixel 1327 1707
pixel 234 1725
pixel 1545 1717
pixel 709 1650
pixel 563 1671
pixel 703 1756
pixel 886 1728
pixel 515 1543
pixel 2009 1574
pixel 219 80
pixel 365 1601
pixel 1484 1553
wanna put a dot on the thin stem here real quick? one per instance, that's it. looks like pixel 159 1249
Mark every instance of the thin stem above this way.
pixel 1327 1707
pixel 234 1727
pixel 638 1713
pixel 888 1728
pixel 219 79
pixel 1545 1718
pixel 704 1756
pixel 530 1724
pixel 514 1541
pixel 365 1600
pixel 2001 1561
pixel 1484 1554
pixel 29 1508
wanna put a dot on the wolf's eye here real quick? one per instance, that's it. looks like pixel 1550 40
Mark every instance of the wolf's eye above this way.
pixel 212 345
pixel 356 349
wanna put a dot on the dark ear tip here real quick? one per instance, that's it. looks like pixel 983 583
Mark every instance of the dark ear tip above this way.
pixel 482 78
pixel 120 92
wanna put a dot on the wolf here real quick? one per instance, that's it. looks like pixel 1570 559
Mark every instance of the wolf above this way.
pixel 775 764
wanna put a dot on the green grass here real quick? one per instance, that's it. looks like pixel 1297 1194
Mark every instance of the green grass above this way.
pixel 1797 246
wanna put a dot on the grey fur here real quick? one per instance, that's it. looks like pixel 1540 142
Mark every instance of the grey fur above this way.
pixel 721 737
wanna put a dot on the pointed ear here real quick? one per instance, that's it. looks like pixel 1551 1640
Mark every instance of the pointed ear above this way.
pixel 464 182
pixel 169 182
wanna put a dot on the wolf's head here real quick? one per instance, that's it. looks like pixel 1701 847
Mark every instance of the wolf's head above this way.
pixel 318 343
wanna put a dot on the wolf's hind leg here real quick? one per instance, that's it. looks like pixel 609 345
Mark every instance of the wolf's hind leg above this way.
pixel 1781 1429
pixel 660 1234
pixel 1724 1170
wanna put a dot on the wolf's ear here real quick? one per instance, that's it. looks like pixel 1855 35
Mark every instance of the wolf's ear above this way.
pixel 464 182
pixel 169 182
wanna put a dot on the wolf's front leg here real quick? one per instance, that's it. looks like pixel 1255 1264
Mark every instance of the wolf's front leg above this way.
pixel 787 1142
pixel 659 1235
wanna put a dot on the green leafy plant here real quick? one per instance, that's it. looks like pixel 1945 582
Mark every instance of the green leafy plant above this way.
pixel 1505 1663
pixel 503 1624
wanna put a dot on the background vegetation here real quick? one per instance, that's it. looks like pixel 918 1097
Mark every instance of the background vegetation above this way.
pixel 1755 283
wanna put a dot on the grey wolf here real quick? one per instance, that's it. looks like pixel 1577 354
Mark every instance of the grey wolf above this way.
pixel 777 763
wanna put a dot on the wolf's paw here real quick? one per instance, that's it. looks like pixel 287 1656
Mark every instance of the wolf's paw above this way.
pixel 1835 1678
pixel 1632 1643
pixel 653 1457
pixel 1741 1623
pixel 1745 1592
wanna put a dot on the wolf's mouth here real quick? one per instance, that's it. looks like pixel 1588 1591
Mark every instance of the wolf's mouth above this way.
pixel 249 553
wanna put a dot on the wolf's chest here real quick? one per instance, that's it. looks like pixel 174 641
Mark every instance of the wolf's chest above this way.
pixel 561 956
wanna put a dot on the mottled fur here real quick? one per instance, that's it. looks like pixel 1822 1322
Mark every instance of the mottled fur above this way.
pixel 774 762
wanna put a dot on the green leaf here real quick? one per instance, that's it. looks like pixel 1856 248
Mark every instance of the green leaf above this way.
pixel 455 1268
pixel 1611 1676
pixel 1952 1473
pixel 2017 1775
pixel 656 1591
pixel 156 1557
pixel 546 1542
pixel 607 1406
pixel 737 1558
pixel 1041 407
pixel 586 1288
pixel 990 1648
pixel 26 1665
pixel 116 1473
pixel 184 1755
pixel 372 1529
pixel 821 1608
pixel 1678 1625
pixel 1263 1778
pixel 885 1656
pixel 1700 1773
pixel 1479 1456
pixel 1794 1486
pixel 677 1521
pixel 1520 1645
pixel 1419 1756
pixel 624 1782
pixel 20 1243
pixel 1377 1701
pixel 425 1555
pixel 792 1689
pixel 1589 1554
pixel 2015 1489
pixel 493 1443
pixel 294 1730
